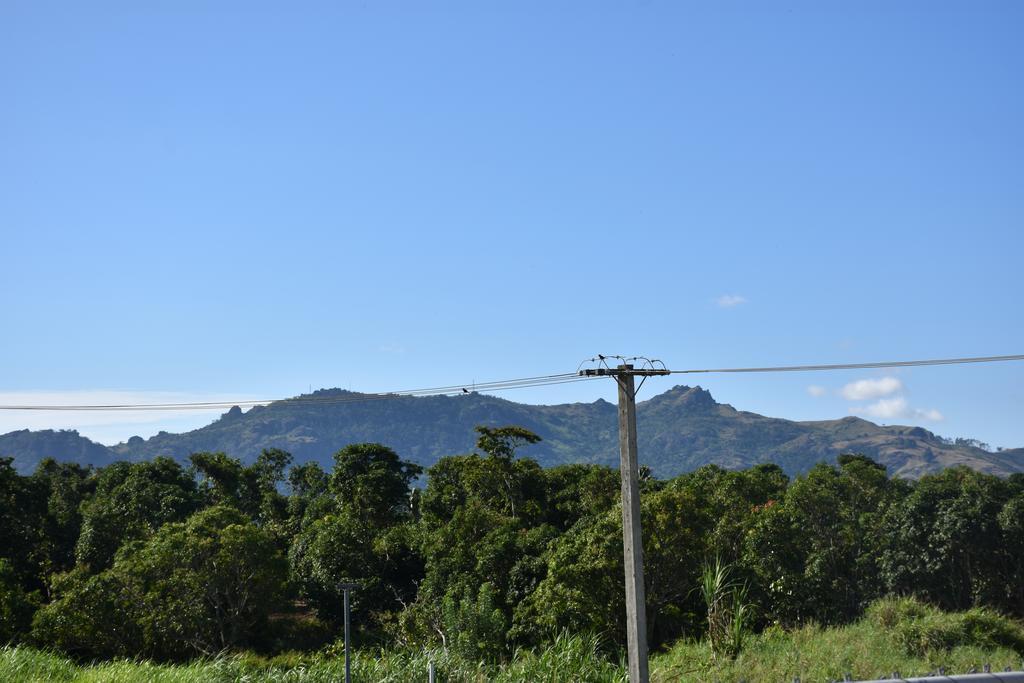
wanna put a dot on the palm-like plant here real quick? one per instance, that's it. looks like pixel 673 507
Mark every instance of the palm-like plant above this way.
pixel 726 600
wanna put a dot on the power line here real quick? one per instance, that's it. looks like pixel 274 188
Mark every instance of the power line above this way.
pixel 493 386
pixel 451 390
pixel 860 366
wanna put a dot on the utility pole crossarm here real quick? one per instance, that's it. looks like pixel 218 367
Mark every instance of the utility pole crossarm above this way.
pixel 618 372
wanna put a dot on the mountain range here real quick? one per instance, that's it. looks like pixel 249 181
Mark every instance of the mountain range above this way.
pixel 679 430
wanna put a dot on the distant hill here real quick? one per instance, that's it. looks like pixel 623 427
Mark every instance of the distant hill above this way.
pixel 679 430
pixel 28 448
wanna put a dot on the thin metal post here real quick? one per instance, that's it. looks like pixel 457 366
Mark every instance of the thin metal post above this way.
pixel 348 670
pixel 632 543
pixel 430 672
pixel 345 588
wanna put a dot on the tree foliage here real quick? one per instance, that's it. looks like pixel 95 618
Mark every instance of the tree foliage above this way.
pixel 485 553
pixel 194 587
pixel 356 528
pixel 131 502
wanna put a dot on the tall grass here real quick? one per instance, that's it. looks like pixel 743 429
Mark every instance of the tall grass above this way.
pixel 895 635
pixel 570 659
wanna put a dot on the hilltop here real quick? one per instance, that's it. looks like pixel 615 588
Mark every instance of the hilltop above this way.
pixel 680 429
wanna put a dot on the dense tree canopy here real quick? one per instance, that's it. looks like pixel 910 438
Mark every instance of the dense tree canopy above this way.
pixel 131 502
pixel 482 553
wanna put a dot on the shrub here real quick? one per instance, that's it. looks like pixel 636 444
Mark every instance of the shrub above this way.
pixel 474 625
pixel 922 629
pixel 888 613
pixel 726 601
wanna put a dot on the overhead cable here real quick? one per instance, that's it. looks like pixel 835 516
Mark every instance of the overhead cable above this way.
pixel 493 386
pixel 348 397
pixel 859 366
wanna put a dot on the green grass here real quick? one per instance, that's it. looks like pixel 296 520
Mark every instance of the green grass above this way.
pixel 571 658
pixel 895 635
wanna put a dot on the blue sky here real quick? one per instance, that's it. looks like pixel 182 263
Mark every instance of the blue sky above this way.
pixel 248 199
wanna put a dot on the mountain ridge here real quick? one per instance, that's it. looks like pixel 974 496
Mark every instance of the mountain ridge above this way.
pixel 680 429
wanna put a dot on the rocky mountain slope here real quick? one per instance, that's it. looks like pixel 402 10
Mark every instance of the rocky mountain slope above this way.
pixel 680 430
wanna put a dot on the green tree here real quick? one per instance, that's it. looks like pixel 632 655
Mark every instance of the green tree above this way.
pixel 67 486
pixel 343 548
pixel 482 521
pixel 356 527
pixel 511 487
pixel 207 584
pixel 373 482
pixel 132 501
pixel 583 588
pixel 733 499
pixel 815 555
pixel 90 616
pixel 308 485
pixel 252 489
pixel 16 606
pixel 1011 524
pixel 577 491
pixel 947 541
pixel 22 524
pixel 503 442
pixel 194 587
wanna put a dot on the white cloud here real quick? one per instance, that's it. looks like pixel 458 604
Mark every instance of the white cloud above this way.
pixel 896 408
pixel 730 300
pixel 816 391
pixel 108 426
pixel 931 415
pixel 866 389
pixel 885 409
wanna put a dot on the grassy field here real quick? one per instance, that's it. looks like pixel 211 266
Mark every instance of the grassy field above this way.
pixel 572 658
pixel 895 635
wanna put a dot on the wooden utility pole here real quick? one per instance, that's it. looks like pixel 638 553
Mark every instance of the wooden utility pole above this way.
pixel 632 543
